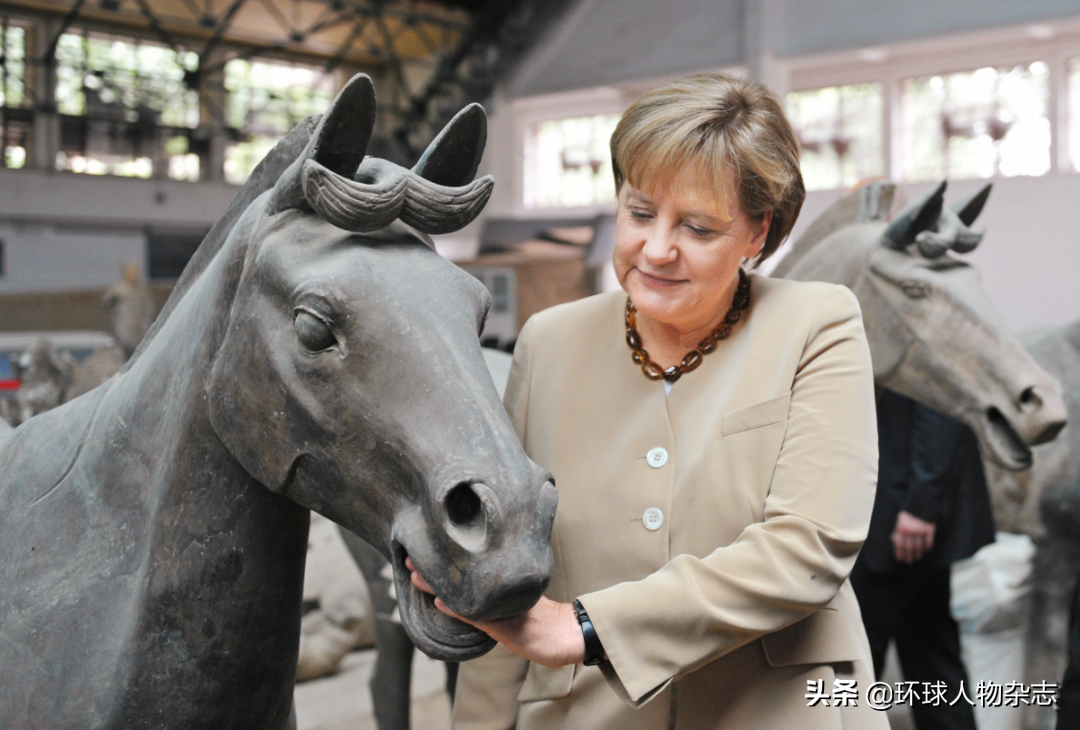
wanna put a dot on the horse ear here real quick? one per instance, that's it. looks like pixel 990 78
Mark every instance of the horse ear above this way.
pixel 337 144
pixel 914 219
pixel 454 155
pixel 342 137
pixel 968 208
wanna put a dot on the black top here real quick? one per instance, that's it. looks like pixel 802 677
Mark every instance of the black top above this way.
pixel 930 466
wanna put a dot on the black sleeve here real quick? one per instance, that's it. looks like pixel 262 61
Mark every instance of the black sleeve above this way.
pixel 935 440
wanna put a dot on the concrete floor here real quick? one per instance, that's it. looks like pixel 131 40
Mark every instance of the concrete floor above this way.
pixel 342 701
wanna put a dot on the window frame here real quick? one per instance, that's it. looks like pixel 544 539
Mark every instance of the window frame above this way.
pixel 950 54
pixel 528 113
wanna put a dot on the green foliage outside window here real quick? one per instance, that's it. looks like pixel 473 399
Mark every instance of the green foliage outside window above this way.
pixel 101 74
pixel 135 100
pixel 13 52
pixel 12 93
pixel 266 100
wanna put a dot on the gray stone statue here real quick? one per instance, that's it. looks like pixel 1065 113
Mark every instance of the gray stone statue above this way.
pixel 44 378
pixel 316 354
pixel 934 335
pixel 132 309
pixel 1044 502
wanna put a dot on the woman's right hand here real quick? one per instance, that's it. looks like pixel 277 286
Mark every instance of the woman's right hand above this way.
pixel 547 634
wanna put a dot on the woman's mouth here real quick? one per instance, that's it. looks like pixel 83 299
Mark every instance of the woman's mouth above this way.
pixel 658 281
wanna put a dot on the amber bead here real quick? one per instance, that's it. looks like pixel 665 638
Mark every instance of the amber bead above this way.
pixel 652 370
pixel 691 361
pixel 694 358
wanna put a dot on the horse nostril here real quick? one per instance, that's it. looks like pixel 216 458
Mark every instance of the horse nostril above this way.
pixel 463 505
pixel 1030 399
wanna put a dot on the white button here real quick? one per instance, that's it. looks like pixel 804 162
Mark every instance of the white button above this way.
pixel 656 457
pixel 653 518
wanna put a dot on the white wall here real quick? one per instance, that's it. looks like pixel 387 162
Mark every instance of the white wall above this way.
pixel 63 231
pixel 61 197
pixel 48 258
pixel 1029 258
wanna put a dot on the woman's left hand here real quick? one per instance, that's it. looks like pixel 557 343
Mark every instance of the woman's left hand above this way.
pixel 547 634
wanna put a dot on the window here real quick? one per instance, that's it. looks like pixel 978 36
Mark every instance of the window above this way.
pixel 976 124
pixel 839 130
pixel 168 252
pixel 1074 113
pixel 129 109
pixel 15 116
pixel 266 100
pixel 569 163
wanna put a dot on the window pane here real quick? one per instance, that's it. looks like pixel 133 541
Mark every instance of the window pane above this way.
pixel 266 100
pixel 14 128
pixel 571 163
pixel 976 124
pixel 839 130
pixel 126 101
pixel 1074 113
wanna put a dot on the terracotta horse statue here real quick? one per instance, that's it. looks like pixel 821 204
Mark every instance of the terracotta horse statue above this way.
pixel 317 354
pixel 1044 503
pixel 934 335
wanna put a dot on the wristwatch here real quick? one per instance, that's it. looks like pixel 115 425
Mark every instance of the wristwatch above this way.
pixel 594 650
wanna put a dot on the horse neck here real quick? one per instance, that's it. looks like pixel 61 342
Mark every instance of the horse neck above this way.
pixel 841 258
pixel 211 528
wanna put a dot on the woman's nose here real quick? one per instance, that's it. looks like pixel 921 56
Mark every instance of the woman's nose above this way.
pixel 660 247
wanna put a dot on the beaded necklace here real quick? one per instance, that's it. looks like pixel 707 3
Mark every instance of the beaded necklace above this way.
pixel 693 358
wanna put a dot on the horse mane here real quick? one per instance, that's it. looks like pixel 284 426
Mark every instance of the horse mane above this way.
pixel 320 166
pixel 865 205
pixel 264 177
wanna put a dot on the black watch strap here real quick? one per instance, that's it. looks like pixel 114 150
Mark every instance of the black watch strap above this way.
pixel 594 650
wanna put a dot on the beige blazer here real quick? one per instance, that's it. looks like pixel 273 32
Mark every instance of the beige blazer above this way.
pixel 716 578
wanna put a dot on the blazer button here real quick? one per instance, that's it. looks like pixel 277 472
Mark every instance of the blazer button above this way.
pixel 656 457
pixel 652 518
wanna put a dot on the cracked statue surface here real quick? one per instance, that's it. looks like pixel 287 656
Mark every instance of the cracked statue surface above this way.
pixel 317 354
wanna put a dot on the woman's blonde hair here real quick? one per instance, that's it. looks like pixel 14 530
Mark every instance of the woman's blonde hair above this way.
pixel 731 133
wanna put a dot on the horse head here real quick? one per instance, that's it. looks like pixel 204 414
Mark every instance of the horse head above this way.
pixel 934 335
pixel 351 380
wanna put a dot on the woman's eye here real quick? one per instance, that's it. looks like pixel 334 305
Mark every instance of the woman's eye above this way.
pixel 312 332
pixel 640 214
pixel 698 231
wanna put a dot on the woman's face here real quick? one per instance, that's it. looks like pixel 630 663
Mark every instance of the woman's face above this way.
pixel 677 251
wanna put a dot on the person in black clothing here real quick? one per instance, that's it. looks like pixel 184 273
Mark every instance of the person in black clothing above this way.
pixel 932 508
pixel 1068 717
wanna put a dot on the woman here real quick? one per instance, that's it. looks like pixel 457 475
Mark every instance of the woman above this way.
pixel 713 440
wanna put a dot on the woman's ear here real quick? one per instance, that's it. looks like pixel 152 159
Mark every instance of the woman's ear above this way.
pixel 761 232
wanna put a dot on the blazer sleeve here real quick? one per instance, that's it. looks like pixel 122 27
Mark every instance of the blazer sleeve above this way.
pixel 780 570
pixel 488 687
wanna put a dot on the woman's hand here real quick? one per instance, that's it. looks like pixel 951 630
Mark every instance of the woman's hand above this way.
pixel 547 634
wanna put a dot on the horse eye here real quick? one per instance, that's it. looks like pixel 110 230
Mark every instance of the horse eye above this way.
pixel 312 332
pixel 915 290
